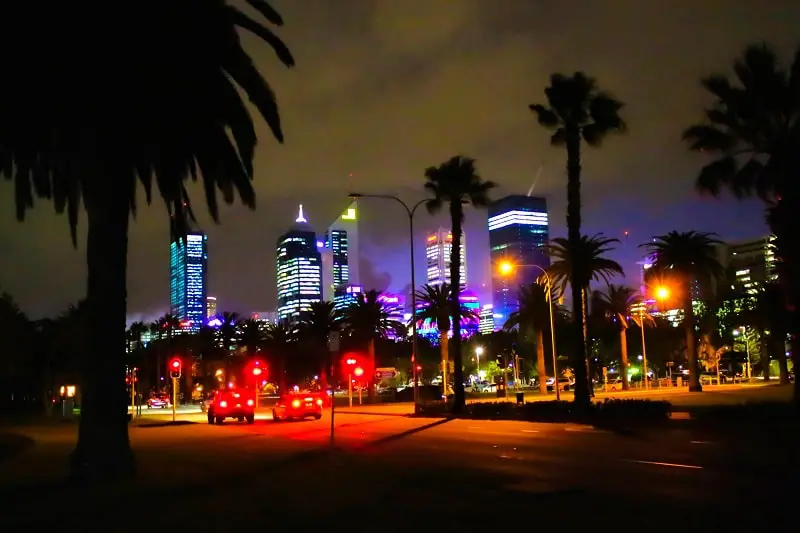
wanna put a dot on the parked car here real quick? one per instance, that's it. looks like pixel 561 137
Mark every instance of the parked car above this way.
pixel 564 384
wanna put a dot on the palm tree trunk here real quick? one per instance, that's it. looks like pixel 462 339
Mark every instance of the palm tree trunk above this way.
pixel 574 235
pixel 779 349
pixel 443 350
pixel 371 381
pixel 763 349
pixel 623 353
pixel 691 345
pixel 457 219
pixel 103 450
pixel 540 367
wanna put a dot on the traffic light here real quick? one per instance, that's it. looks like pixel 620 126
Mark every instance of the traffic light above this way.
pixel 356 366
pixel 175 367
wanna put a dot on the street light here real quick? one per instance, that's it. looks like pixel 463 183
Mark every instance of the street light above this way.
pixel 746 349
pixel 410 211
pixel 507 268
pixel 478 354
pixel 661 293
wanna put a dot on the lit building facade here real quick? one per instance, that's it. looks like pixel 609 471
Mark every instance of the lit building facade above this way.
pixel 518 233
pixel 752 264
pixel 267 317
pixel 211 307
pixel 299 269
pixel 346 296
pixel 438 250
pixel 187 279
pixel 486 325
pixel 396 308
pixel 342 239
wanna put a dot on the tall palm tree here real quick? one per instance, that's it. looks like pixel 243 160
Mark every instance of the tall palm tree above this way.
pixel 533 314
pixel 165 328
pixel 616 305
pixel 315 327
pixel 686 258
pixel 177 101
pixel 279 338
pixel 135 332
pixel 436 308
pixel 250 336
pixel 368 319
pixel 579 262
pixel 753 130
pixel 577 111
pixel 456 183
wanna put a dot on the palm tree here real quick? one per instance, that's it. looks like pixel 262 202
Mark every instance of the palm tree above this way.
pixel 616 305
pixel 279 338
pixel 164 329
pixel 577 111
pixel 436 309
pixel 228 330
pixel 534 314
pixel 579 262
pixel 182 90
pixel 315 326
pixel 687 258
pixel 135 332
pixel 456 183
pixel 753 132
pixel 250 336
pixel 367 320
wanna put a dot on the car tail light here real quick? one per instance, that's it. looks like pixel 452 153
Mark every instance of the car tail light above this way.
pixel 236 395
pixel 223 403
pixel 296 404
pixel 319 401
pixel 250 402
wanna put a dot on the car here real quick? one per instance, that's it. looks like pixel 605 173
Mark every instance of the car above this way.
pixel 614 384
pixel 564 384
pixel 159 401
pixel 298 406
pixel 232 403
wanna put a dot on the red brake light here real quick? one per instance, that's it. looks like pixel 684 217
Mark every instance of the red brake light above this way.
pixel 319 401
pixel 223 403
pixel 296 404
pixel 250 402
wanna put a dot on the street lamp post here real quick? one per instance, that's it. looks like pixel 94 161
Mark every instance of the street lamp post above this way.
pixel 506 268
pixel 747 351
pixel 410 212
pixel 478 353
pixel 644 349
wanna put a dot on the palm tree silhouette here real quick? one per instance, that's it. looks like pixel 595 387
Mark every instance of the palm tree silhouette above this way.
pixel 279 339
pixel 579 262
pixel 533 314
pixel 84 132
pixel 315 326
pixel 456 183
pixel 436 309
pixel 686 257
pixel 615 305
pixel 577 111
pixel 368 319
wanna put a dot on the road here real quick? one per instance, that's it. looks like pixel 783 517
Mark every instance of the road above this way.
pixel 393 472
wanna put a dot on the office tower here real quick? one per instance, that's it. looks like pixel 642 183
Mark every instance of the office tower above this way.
pixel 267 317
pixel 187 279
pixel 518 233
pixel 211 307
pixel 395 306
pixel 751 263
pixel 342 239
pixel 327 261
pixel 487 319
pixel 299 266
pixel 438 248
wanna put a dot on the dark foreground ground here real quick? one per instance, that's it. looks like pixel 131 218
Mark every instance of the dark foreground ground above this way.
pixel 393 473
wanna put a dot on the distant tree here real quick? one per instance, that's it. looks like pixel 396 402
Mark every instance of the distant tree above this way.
pixel 533 315
pixel 251 336
pixel 686 258
pixel 228 330
pixel 279 340
pixel 436 308
pixel 315 327
pixel 456 183
pixel 753 132
pixel 577 111
pixel 579 262
pixel 616 304
pixel 83 131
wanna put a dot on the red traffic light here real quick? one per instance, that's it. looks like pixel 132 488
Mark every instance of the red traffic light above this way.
pixel 175 364
pixel 358 371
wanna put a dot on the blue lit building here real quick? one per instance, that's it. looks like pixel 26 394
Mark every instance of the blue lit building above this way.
pixel 188 275
pixel 518 233
pixel 346 296
pixel 299 262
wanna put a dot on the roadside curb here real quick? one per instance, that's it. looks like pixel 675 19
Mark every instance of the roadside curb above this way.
pixel 162 424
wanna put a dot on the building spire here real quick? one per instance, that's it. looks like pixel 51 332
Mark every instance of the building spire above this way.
pixel 300 217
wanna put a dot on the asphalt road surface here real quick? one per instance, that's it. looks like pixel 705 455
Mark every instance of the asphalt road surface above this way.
pixel 394 473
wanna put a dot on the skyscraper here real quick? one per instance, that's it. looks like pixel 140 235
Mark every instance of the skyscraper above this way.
pixel 187 279
pixel 518 232
pixel 342 239
pixel 211 306
pixel 752 263
pixel 299 269
pixel 438 247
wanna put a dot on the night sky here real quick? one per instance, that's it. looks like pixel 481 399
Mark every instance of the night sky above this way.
pixel 385 88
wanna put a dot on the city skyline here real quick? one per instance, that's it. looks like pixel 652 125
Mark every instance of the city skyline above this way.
pixel 400 107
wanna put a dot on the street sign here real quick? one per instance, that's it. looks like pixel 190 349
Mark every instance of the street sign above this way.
pixel 385 373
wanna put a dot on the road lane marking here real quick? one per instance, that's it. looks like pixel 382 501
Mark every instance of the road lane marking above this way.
pixel 700 442
pixel 530 431
pixel 657 463
pixel 473 427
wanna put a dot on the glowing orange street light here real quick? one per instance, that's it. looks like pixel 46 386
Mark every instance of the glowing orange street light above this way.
pixel 662 293
pixel 506 268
